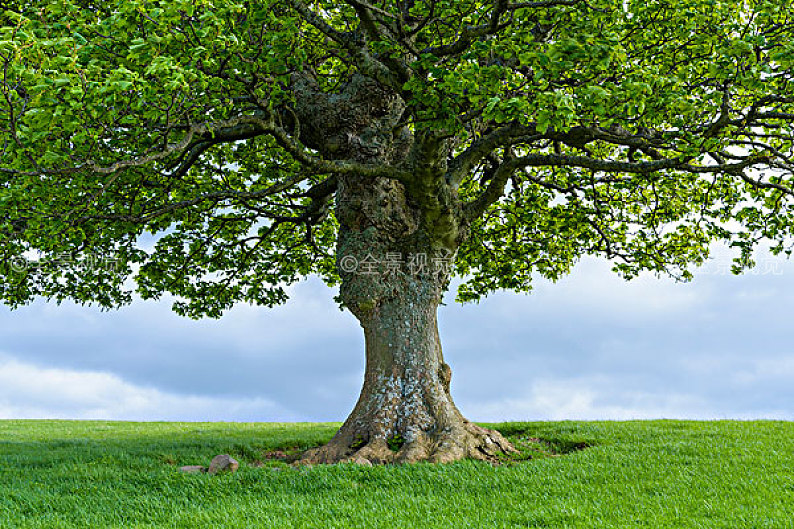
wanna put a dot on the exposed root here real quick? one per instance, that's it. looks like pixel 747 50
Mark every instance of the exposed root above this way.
pixel 466 441
pixel 473 442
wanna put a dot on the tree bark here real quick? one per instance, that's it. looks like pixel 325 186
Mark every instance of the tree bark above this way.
pixel 405 412
pixel 394 247
pixel 393 277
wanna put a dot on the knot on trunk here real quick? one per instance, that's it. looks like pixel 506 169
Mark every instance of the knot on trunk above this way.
pixel 357 122
pixel 445 375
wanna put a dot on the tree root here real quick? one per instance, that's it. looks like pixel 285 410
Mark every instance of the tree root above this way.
pixel 465 441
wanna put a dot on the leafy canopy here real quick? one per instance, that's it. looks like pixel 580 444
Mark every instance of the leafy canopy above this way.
pixel 167 135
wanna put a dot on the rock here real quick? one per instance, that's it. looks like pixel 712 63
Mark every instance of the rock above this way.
pixel 356 460
pixel 192 469
pixel 223 463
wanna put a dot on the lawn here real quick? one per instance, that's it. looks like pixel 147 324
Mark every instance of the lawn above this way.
pixel 656 474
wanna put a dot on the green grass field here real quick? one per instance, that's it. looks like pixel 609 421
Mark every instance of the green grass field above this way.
pixel 652 474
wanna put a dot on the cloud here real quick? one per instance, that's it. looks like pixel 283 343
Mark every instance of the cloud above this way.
pixel 306 355
pixel 28 391
pixel 590 346
pixel 594 399
pixel 595 346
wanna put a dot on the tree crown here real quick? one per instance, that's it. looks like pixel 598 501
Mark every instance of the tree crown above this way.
pixel 217 130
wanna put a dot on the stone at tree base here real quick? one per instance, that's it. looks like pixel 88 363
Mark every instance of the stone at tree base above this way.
pixel 362 461
pixel 356 460
pixel 192 469
pixel 223 463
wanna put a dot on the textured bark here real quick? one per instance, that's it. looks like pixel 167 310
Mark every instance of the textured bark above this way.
pixel 406 395
pixel 401 272
pixel 394 245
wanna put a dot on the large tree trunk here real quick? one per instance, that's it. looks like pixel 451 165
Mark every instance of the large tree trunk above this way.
pixel 393 277
pixel 405 412
pixel 392 242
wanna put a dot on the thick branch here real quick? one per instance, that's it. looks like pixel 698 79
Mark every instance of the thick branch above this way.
pixel 318 193
pixel 493 192
pixel 234 129
pixel 366 63
pixel 471 33
pixel 495 188
pixel 366 13
pixel 514 133
pixel 544 3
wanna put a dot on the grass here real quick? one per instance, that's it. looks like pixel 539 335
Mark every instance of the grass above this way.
pixel 654 474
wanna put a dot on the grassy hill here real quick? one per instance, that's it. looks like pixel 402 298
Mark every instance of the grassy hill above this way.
pixel 655 474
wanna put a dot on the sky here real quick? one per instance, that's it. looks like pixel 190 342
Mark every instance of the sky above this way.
pixel 591 346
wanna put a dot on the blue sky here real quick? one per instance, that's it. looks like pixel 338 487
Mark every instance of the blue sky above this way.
pixel 591 346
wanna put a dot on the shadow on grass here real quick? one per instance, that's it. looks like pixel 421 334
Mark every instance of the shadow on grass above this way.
pixel 152 446
pixel 533 441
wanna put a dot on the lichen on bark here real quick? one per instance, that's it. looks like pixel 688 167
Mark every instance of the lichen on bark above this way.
pixel 395 243
pixel 406 392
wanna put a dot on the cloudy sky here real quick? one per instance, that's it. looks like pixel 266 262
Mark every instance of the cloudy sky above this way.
pixel 591 346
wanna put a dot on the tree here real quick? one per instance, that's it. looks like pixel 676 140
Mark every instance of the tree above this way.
pixel 386 147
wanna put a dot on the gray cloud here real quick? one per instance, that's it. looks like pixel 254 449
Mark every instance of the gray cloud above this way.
pixel 28 391
pixel 590 346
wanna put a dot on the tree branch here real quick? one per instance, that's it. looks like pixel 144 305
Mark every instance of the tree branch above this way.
pixel 545 3
pixel 495 189
pixel 358 51
pixel 470 33
pixel 365 12
pixel 235 129
pixel 318 193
